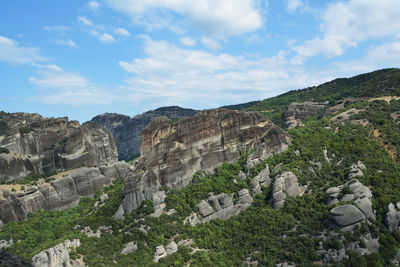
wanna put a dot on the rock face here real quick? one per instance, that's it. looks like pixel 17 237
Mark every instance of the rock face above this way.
pixel 220 207
pixel 356 170
pixel 62 193
pixel 172 153
pixel 285 185
pixel 347 215
pixel 57 256
pixel 261 180
pixel 129 247
pixel 392 218
pixel 40 145
pixel 161 252
pixel 297 112
pixel 127 130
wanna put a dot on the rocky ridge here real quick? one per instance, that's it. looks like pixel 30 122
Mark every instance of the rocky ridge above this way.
pixel 297 112
pixel 127 130
pixel 61 193
pixel 172 153
pixel 34 145
pixel 57 255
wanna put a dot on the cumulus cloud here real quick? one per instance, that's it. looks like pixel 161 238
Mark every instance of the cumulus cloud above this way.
pixel 188 41
pixel 122 32
pixel 67 42
pixel 169 74
pixel 12 52
pixel 94 30
pixel 345 24
pixel 213 17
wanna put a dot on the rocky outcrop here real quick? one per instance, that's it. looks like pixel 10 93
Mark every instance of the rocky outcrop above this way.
pixel 129 248
pixel 360 209
pixel 285 185
pixel 38 145
pixel 162 252
pixel 62 193
pixel 392 218
pixel 57 255
pixel 220 206
pixel 127 130
pixel 356 170
pixel 260 180
pixel 297 112
pixel 172 153
pixel 7 259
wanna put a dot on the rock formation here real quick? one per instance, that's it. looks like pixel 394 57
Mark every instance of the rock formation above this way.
pixel 57 255
pixel 127 130
pixel 61 193
pixel 260 180
pixel 392 218
pixel 220 206
pixel 129 248
pixel 38 145
pixel 297 112
pixel 285 185
pixel 162 252
pixel 172 153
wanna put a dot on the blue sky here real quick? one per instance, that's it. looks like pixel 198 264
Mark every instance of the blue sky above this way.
pixel 83 58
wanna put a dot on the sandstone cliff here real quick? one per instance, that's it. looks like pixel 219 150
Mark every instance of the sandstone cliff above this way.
pixel 32 144
pixel 172 152
pixel 127 130
pixel 63 192
pixel 297 112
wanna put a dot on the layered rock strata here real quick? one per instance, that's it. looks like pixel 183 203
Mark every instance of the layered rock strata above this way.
pixel 285 185
pixel 173 152
pixel 36 145
pixel 62 193
pixel 127 130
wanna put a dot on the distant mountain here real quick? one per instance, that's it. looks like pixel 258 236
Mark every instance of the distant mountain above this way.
pixel 127 130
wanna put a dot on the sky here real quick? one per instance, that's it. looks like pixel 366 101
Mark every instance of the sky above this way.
pixel 83 58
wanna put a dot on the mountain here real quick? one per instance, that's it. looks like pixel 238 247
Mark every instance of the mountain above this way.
pixel 232 188
pixel 127 131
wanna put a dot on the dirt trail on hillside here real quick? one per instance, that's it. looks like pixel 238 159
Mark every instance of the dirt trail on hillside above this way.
pixel 378 136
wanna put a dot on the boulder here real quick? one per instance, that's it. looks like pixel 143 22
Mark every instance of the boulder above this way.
pixel 242 176
pixel 171 248
pixel 204 208
pixel 160 253
pixel 356 170
pixel 345 215
pixel 392 218
pixel 285 185
pixel 119 214
pixel 129 248
pixel 365 205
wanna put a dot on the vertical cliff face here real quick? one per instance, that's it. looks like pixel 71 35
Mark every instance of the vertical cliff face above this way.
pixel 172 152
pixel 127 131
pixel 31 144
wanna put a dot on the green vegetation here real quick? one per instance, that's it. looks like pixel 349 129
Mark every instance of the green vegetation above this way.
pixel 24 130
pixel 4 150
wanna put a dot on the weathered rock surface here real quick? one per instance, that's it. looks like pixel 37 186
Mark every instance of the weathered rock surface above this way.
pixel 127 130
pixel 159 203
pixel 10 260
pixel 57 255
pixel 346 215
pixel 172 153
pixel 356 170
pixel 392 218
pixel 161 252
pixel 129 248
pixel 62 193
pixel 220 207
pixel 285 185
pixel 297 112
pixel 260 180
pixel 40 145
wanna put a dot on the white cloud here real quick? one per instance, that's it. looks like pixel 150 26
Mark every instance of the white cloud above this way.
pixel 345 24
pixel 12 52
pixel 56 28
pixel 59 87
pixel 210 43
pixel 94 6
pixel 106 38
pixel 122 32
pixel 67 42
pixel 171 75
pixel 85 21
pixel 212 17
pixel 188 41
pixel 293 5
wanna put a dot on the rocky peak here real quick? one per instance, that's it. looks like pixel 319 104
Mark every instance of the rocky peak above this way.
pixel 127 130
pixel 173 152
pixel 37 145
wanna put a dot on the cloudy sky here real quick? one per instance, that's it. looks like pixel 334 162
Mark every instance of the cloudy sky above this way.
pixel 82 58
